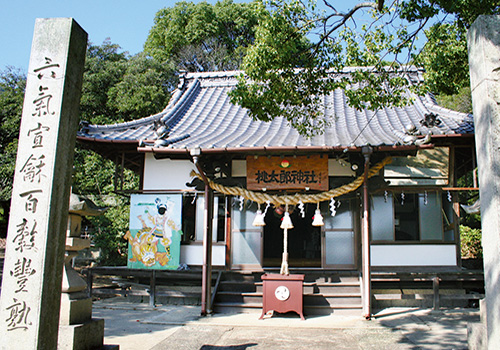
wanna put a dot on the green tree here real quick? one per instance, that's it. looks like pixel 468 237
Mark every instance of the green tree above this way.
pixel 105 66
pixel 108 230
pixel 116 88
pixel 204 37
pixel 144 88
pixel 464 11
pixel 445 58
pixel 12 87
pixel 280 78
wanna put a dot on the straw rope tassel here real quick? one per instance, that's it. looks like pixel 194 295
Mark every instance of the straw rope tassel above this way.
pixel 284 260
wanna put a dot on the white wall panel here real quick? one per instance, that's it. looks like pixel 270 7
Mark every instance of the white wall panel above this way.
pixel 193 255
pixel 166 174
pixel 414 255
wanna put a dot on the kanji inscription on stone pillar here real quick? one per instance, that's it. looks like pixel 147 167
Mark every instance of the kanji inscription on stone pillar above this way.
pixel 31 286
pixel 484 67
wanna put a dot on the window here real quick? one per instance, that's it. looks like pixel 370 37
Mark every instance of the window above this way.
pixel 193 211
pixel 412 217
pixel 406 218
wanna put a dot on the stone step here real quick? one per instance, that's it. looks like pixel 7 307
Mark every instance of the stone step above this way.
pixel 314 299
pixel 310 277
pixel 142 296
pixel 345 310
pixel 237 308
pixel 323 291
pixel 309 287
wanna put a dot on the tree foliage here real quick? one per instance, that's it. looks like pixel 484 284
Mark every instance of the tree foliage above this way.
pixel 285 79
pixel 464 11
pixel 445 58
pixel 116 88
pixel 287 48
pixel 444 55
pixel 144 88
pixel 104 68
pixel 204 37
pixel 470 242
pixel 12 86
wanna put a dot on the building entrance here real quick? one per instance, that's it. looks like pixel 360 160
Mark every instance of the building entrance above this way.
pixel 304 240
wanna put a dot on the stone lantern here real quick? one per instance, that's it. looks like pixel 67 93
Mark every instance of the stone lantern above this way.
pixel 77 329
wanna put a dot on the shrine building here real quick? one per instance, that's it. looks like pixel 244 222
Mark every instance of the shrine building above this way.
pixel 376 192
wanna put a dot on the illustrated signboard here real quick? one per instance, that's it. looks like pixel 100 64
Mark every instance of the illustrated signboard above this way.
pixel 281 173
pixel 155 231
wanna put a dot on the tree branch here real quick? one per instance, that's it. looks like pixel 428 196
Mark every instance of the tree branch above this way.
pixel 343 20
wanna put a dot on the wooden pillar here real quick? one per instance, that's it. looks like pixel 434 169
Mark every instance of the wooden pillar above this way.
pixel 435 288
pixel 228 232
pixel 152 289
pixel 206 283
pixel 206 276
pixel 365 240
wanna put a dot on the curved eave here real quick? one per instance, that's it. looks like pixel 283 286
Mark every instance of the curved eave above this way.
pixel 446 136
pixel 86 139
pixel 277 150
pixel 108 147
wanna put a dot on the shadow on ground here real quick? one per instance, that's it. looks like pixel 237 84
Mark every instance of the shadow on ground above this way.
pixel 229 347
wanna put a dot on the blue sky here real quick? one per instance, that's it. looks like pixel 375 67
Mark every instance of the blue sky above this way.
pixel 125 22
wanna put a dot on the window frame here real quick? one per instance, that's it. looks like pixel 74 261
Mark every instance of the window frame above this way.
pixel 218 223
pixel 393 195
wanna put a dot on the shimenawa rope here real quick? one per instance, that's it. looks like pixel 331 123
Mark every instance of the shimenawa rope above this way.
pixel 296 198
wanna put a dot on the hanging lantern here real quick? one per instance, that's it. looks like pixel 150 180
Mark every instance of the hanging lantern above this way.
pixel 318 218
pixel 259 219
pixel 287 222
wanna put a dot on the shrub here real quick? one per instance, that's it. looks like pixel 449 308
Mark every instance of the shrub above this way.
pixel 108 231
pixel 470 241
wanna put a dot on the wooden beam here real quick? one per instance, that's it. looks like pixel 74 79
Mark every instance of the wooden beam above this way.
pixel 460 188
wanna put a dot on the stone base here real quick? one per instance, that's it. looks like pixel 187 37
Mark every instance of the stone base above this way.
pixel 476 336
pixel 74 310
pixel 477 333
pixel 86 336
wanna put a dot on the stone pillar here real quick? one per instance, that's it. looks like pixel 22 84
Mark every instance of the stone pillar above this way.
pixel 484 61
pixel 31 287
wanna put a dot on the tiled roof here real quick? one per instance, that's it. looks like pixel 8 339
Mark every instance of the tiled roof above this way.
pixel 200 115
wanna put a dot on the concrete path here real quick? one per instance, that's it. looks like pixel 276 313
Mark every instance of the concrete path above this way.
pixel 137 326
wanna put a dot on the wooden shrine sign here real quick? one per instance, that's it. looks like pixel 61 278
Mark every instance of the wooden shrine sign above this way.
pixel 287 173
